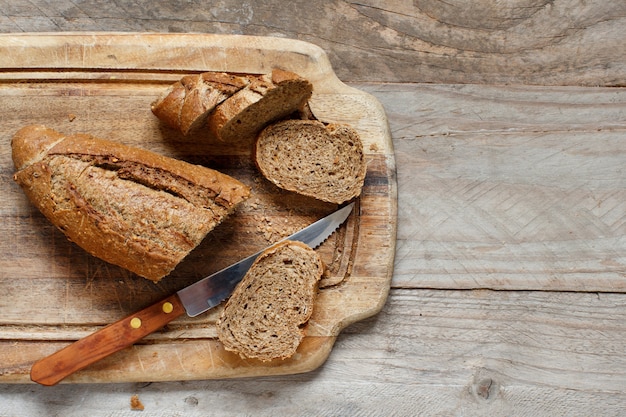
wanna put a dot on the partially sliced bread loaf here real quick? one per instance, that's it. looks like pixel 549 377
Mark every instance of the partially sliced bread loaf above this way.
pixel 265 315
pixel 128 206
pixel 305 156
pixel 186 104
pixel 266 99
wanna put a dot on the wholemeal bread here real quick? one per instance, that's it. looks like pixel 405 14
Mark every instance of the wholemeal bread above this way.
pixel 267 98
pixel 128 206
pixel 186 104
pixel 265 315
pixel 305 156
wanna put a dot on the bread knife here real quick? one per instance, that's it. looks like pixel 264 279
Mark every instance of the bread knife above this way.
pixel 192 300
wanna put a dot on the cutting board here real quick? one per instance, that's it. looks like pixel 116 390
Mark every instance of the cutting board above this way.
pixel 103 83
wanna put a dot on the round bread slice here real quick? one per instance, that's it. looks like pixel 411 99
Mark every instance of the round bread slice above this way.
pixel 307 157
pixel 267 98
pixel 265 315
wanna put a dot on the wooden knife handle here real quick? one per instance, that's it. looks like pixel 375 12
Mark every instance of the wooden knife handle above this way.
pixel 114 337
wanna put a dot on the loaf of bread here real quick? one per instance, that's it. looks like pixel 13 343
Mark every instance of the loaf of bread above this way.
pixel 305 156
pixel 265 315
pixel 186 104
pixel 267 98
pixel 128 206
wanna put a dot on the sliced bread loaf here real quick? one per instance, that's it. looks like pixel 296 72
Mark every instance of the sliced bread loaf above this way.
pixel 267 98
pixel 130 207
pixel 265 315
pixel 305 156
pixel 186 104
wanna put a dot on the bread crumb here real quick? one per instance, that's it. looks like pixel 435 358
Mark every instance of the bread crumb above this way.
pixel 71 117
pixel 135 404
pixel 374 147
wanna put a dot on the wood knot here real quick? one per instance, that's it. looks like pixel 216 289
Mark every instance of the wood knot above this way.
pixel 486 388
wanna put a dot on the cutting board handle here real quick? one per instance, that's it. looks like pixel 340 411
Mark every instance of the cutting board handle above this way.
pixel 112 338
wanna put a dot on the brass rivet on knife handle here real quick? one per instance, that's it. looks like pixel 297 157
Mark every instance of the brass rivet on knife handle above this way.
pixel 112 338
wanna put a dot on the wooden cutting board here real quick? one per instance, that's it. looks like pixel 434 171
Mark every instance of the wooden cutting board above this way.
pixel 103 84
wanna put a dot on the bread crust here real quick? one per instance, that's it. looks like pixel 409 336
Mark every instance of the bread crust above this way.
pixel 267 98
pixel 230 109
pixel 130 207
pixel 265 316
pixel 186 104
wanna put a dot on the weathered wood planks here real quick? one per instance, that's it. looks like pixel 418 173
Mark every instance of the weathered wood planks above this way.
pixel 383 365
pixel 508 187
pixel 541 42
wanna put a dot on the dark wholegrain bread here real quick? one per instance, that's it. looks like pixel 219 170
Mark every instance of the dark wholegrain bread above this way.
pixel 305 156
pixel 267 98
pixel 130 207
pixel 186 104
pixel 264 317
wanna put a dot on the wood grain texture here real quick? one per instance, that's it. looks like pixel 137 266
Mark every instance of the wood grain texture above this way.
pixel 106 341
pixel 441 352
pixel 509 188
pixel 544 42
pixel 429 352
pixel 103 84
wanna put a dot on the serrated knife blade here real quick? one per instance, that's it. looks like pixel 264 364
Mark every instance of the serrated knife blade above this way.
pixel 212 290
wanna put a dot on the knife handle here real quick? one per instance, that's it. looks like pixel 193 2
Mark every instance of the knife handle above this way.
pixel 110 339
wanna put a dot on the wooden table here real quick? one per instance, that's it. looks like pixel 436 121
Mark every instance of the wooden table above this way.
pixel 508 123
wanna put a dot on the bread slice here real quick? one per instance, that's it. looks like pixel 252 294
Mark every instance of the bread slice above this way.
pixel 186 104
pixel 130 207
pixel 265 315
pixel 267 98
pixel 305 156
